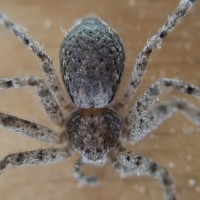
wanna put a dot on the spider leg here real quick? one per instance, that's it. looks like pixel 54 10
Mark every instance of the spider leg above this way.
pixel 37 157
pixel 152 44
pixel 48 101
pixel 82 178
pixel 128 163
pixel 121 169
pixel 46 60
pixel 30 129
pixel 161 86
pixel 153 118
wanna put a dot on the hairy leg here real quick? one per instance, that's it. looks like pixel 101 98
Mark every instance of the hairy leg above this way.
pixel 30 129
pixel 147 100
pixel 121 169
pixel 127 163
pixel 135 164
pixel 48 101
pixel 46 60
pixel 152 44
pixel 37 157
pixel 153 118
pixel 82 178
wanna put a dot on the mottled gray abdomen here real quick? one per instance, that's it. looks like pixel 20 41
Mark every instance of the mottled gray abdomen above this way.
pixel 92 62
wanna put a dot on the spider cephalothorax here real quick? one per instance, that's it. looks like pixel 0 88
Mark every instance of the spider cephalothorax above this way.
pixel 92 61
pixel 93 132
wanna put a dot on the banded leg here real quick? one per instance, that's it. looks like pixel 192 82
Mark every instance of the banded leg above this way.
pixel 124 171
pixel 37 157
pixel 30 129
pixel 82 178
pixel 46 60
pixel 152 119
pixel 48 101
pixel 154 43
pixel 161 86
pixel 140 165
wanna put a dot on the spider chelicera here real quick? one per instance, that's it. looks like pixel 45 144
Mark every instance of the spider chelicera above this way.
pixel 92 62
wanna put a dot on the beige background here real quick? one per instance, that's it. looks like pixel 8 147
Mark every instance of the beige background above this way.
pixel 175 144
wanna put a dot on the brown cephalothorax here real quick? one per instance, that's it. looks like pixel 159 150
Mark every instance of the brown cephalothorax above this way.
pixel 92 61
pixel 93 133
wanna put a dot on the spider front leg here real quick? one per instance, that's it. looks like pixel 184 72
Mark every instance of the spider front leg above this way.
pixel 152 44
pixel 82 178
pixel 48 101
pixel 128 163
pixel 153 118
pixel 37 48
pixel 37 157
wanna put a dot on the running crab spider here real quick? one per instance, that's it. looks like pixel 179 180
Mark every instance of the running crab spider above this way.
pixel 92 61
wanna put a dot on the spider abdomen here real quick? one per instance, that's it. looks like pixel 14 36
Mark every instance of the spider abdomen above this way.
pixel 93 132
pixel 92 61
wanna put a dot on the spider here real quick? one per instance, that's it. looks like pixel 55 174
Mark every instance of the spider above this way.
pixel 92 61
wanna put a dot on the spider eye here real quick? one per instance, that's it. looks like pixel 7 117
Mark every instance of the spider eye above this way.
pixel 99 150
pixel 128 158
pixel 87 151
